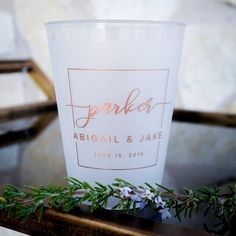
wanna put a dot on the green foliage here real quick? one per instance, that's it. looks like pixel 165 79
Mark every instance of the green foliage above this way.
pixel 221 207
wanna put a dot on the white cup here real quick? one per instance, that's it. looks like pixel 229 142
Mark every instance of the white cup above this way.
pixel 115 86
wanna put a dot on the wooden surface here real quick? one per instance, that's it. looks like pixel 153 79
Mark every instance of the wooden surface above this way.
pixel 28 110
pixel 101 222
pixel 41 80
pixel 10 66
pixel 208 118
pixel 29 133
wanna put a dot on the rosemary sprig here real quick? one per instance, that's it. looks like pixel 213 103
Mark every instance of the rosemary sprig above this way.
pixel 221 207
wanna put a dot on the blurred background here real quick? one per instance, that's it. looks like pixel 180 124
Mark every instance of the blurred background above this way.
pixel 201 155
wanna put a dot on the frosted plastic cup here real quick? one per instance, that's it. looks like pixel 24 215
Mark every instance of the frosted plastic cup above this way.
pixel 115 85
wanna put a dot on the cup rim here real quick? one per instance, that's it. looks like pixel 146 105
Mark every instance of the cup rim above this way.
pixel 117 21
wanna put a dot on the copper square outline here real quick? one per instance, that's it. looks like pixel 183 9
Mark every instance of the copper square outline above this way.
pixel 128 70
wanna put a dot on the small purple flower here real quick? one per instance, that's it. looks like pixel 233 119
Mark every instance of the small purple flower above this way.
pixel 125 192
pixel 159 202
pixel 165 214
pixel 147 194
pixel 135 197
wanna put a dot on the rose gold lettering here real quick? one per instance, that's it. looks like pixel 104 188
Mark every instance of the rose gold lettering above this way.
pixel 81 137
pixel 94 138
pixel 115 140
pixel 130 105
pixel 103 139
pixel 151 137
pixel 75 136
